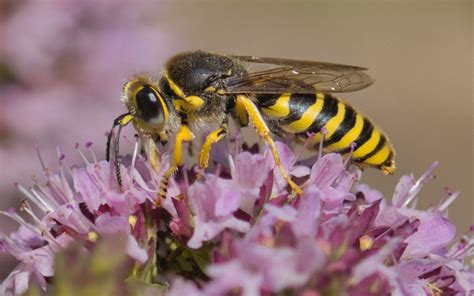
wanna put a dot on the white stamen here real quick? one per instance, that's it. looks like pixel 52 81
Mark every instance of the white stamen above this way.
pixel 68 168
pixel 321 142
pixel 134 159
pixel 14 247
pixel 232 166
pixel 56 189
pixel 448 201
pixel 61 169
pixel 186 180
pixel 414 203
pixel 303 148
pixel 17 218
pixel 349 156
pixel 37 200
pixel 25 206
pixel 94 157
pixel 50 198
pixel 416 188
pixel 138 178
pixel 238 138
pixel 43 165
pixel 45 233
pixel 82 155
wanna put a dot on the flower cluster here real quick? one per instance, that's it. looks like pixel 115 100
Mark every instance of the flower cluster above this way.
pixel 238 231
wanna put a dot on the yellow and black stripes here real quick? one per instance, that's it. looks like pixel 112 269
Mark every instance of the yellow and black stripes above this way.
pixel 327 111
pixel 309 114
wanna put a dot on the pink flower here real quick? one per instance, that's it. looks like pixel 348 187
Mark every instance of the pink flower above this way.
pixel 239 230
pixel 213 204
pixel 62 213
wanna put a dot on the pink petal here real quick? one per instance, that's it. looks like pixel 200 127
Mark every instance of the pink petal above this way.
pixel 433 233
pixel 308 213
pixel 325 171
pixel 112 224
pixel 133 250
pixel 88 189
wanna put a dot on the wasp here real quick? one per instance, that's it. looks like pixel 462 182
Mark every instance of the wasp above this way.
pixel 200 91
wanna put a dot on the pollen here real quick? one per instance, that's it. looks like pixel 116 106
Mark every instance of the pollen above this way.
pixel 92 236
pixel 132 220
pixel 366 242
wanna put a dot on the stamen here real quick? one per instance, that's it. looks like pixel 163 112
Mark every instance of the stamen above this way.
pixel 238 140
pixel 433 289
pixel 40 230
pixel 57 188
pixel 89 145
pixel 324 132
pixel 232 166
pixel 129 141
pixel 299 153
pixel 64 164
pixel 349 156
pixel 37 200
pixel 25 206
pixel 45 233
pixel 38 153
pixel 139 180
pixel 416 188
pixel 17 218
pixel 81 154
pixel 218 170
pixel 134 159
pixel 462 249
pixel 51 199
pixel 62 176
pixel 13 247
pixel 448 201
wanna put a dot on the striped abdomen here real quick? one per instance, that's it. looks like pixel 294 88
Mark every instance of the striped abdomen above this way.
pixel 304 114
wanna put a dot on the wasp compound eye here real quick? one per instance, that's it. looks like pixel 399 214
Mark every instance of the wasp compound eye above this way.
pixel 150 106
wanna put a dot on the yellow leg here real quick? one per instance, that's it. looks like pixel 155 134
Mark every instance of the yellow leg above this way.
pixel 151 151
pixel 184 135
pixel 241 114
pixel 264 132
pixel 212 138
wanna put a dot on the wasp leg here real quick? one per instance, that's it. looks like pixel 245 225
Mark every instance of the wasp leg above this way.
pixel 184 135
pixel 151 151
pixel 211 139
pixel 264 132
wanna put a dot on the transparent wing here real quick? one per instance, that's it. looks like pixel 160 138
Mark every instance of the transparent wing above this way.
pixel 274 75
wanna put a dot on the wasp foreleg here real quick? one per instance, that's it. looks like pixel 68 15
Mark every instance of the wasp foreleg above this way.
pixel 211 139
pixel 184 135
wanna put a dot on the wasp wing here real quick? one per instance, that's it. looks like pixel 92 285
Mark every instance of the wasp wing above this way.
pixel 274 75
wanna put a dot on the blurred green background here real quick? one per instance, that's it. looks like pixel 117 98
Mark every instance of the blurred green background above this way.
pixel 62 65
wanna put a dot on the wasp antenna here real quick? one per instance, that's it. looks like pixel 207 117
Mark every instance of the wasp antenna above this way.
pixel 117 121
pixel 118 158
pixel 109 139
pixel 120 121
